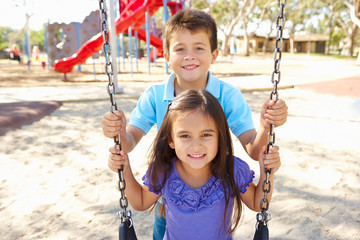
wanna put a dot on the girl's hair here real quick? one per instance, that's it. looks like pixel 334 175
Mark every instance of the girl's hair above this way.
pixel 222 166
pixel 194 21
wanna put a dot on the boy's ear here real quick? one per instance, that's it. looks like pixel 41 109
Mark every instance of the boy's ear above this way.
pixel 214 55
pixel 166 56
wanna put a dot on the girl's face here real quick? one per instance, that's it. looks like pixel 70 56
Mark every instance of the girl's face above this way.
pixel 190 57
pixel 195 140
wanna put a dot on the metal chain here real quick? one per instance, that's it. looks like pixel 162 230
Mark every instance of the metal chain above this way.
pixel 264 217
pixel 124 214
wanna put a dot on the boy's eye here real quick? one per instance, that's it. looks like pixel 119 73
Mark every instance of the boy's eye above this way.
pixel 199 49
pixel 179 49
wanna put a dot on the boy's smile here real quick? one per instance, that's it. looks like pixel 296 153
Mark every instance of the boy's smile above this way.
pixel 190 58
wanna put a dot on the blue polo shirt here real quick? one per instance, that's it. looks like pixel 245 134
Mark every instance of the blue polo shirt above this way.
pixel 152 105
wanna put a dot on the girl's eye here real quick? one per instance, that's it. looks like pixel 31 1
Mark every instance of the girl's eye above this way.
pixel 206 135
pixel 179 49
pixel 184 136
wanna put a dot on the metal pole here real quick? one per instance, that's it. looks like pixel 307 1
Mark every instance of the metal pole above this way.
pixel 166 17
pixel 130 49
pixel 154 48
pixel 147 38
pixel 78 41
pixel 123 49
pixel 113 44
pixel 117 10
pixel 137 51
pixel 27 42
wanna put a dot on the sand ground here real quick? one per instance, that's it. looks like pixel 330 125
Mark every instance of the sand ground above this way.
pixel 55 183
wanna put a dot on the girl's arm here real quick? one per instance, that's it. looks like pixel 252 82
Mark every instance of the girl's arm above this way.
pixel 254 194
pixel 139 196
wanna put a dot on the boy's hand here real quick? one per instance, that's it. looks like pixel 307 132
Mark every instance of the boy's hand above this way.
pixel 270 160
pixel 273 112
pixel 114 123
pixel 118 158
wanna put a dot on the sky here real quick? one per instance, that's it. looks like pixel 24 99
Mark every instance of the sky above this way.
pixel 13 12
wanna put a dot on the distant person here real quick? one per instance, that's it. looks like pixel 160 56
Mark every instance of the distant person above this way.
pixel 190 47
pixel 35 53
pixel 15 53
pixel 193 168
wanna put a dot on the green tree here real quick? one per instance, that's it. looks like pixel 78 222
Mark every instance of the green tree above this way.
pixel 354 12
pixel 297 12
pixel 229 13
pixel 37 38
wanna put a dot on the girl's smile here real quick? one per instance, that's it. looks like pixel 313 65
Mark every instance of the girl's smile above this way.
pixel 195 140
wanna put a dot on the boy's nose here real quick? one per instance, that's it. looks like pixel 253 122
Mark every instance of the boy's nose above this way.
pixel 189 57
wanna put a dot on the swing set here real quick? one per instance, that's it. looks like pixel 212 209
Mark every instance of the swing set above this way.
pixel 126 229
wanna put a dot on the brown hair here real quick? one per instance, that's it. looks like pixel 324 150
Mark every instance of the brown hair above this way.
pixel 222 166
pixel 194 21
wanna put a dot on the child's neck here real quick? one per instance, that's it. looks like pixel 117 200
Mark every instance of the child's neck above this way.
pixel 180 86
pixel 194 178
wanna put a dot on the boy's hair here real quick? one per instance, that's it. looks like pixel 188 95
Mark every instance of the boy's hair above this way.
pixel 222 166
pixel 194 21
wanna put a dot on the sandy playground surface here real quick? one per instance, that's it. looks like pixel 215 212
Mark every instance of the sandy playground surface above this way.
pixel 55 183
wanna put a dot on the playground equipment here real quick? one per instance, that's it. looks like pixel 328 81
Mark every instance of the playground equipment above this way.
pixel 65 39
pixel 133 14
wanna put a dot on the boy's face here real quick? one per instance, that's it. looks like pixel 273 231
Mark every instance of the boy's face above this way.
pixel 190 57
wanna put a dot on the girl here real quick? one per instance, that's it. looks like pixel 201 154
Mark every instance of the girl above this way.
pixel 192 166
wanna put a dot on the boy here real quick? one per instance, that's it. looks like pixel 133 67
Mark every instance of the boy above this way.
pixel 190 47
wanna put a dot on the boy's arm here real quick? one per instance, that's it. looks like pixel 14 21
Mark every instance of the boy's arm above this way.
pixel 115 123
pixel 272 112
pixel 253 141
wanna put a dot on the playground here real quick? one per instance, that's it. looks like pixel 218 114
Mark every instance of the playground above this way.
pixel 56 184
pixel 55 180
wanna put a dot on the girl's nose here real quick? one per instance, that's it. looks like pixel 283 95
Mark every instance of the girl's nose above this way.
pixel 196 143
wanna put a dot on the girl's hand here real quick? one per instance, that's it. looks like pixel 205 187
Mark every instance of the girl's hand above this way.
pixel 118 158
pixel 270 160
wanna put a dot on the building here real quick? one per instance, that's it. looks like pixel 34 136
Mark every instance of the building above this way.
pixel 310 42
pixel 303 42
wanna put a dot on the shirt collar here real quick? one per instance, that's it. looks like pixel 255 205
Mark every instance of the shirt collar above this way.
pixel 213 86
pixel 169 87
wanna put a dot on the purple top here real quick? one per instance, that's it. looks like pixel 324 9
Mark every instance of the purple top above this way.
pixel 198 213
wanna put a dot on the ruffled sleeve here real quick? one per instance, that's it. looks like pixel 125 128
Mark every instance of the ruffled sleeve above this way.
pixel 243 174
pixel 146 182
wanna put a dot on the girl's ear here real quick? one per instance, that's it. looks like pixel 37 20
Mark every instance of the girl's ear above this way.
pixel 171 144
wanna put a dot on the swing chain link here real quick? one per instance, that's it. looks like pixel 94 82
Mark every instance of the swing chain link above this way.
pixel 264 217
pixel 124 214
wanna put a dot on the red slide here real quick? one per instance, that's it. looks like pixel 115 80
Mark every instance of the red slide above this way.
pixel 134 12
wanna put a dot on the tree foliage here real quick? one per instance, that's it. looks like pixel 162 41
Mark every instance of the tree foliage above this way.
pixel 7 35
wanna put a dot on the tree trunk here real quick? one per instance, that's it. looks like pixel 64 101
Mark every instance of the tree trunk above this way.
pixel 291 39
pixel 226 44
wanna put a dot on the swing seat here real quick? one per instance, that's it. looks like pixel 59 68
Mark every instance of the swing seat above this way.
pixel 262 232
pixel 127 231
